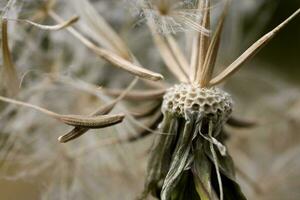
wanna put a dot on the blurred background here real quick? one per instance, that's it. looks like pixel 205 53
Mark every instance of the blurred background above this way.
pixel 34 165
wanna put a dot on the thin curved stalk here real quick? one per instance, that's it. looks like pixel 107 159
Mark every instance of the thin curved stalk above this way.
pixel 72 120
pixel 250 52
pixel 55 27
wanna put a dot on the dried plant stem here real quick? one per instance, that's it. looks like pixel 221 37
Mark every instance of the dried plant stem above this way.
pixel 73 120
pixel 20 103
pixel 56 27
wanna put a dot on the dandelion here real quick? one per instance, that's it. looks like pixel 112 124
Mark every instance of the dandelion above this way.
pixel 189 159
pixel 170 17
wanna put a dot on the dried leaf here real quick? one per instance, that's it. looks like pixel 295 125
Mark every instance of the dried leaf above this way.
pixel 111 57
pixel 231 189
pixel 215 159
pixel 202 172
pixel 186 188
pixel 251 51
pixel 179 159
pixel 10 78
pixel 160 157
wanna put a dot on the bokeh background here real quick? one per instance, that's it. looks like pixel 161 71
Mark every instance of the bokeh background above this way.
pixel 34 165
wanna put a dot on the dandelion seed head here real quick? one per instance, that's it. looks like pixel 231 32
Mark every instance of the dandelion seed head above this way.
pixel 211 102
pixel 169 17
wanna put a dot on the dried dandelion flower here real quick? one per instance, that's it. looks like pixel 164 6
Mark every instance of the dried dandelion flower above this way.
pixel 192 125
pixel 189 159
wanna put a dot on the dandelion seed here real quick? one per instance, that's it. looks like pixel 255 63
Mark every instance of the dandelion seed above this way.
pixel 170 17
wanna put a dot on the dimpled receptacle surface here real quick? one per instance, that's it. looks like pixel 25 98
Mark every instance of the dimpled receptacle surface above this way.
pixel 209 102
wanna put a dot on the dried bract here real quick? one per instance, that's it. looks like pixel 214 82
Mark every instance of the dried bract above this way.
pixel 9 73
